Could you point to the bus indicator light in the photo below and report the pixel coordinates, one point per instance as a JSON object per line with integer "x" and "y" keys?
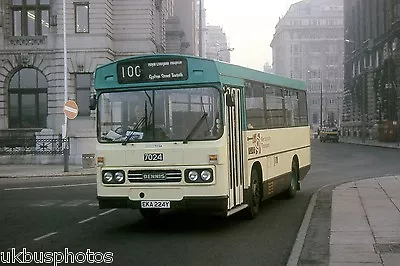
{"x": 213, "y": 158}
{"x": 100, "y": 161}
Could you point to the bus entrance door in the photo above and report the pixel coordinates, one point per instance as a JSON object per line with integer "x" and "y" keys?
{"x": 235, "y": 148}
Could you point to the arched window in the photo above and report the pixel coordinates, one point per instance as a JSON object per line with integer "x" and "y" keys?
{"x": 27, "y": 98}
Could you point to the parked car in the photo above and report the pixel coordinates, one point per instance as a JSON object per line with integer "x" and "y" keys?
{"x": 329, "y": 134}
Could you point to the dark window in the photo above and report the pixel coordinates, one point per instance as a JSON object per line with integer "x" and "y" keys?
{"x": 28, "y": 99}
{"x": 315, "y": 118}
{"x": 274, "y": 110}
{"x": 81, "y": 17}
{"x": 255, "y": 114}
{"x": 273, "y": 107}
{"x": 292, "y": 108}
{"x": 303, "y": 108}
{"x": 30, "y": 17}
{"x": 331, "y": 118}
{"x": 396, "y": 10}
{"x": 83, "y": 82}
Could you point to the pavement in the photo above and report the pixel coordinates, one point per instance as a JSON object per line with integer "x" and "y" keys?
{"x": 369, "y": 142}
{"x": 48, "y": 170}
{"x": 365, "y": 221}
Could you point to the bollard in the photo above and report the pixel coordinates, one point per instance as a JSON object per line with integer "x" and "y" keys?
{"x": 66, "y": 160}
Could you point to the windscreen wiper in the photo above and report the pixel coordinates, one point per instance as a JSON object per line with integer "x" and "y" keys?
{"x": 138, "y": 125}
{"x": 142, "y": 121}
{"x": 195, "y": 128}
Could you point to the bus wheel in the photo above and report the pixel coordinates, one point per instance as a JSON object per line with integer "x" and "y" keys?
{"x": 294, "y": 179}
{"x": 150, "y": 213}
{"x": 254, "y": 196}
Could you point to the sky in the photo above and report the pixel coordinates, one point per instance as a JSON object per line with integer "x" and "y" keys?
{"x": 249, "y": 26}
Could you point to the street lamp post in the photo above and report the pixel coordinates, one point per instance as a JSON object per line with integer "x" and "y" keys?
{"x": 339, "y": 100}
{"x": 65, "y": 126}
{"x": 201, "y": 52}
{"x": 398, "y": 118}
{"x": 320, "y": 105}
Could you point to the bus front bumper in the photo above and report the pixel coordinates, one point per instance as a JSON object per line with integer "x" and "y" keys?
{"x": 212, "y": 204}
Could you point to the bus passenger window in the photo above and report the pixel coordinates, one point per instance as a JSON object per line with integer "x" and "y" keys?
{"x": 255, "y": 113}
{"x": 274, "y": 112}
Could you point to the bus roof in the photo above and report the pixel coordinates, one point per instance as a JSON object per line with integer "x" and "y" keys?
{"x": 200, "y": 71}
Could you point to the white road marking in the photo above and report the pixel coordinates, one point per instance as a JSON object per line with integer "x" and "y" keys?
{"x": 44, "y": 236}
{"x": 60, "y": 186}
{"x": 94, "y": 217}
{"x": 107, "y": 212}
{"x": 94, "y": 204}
{"x": 74, "y": 203}
{"x": 87, "y": 220}
{"x": 46, "y": 203}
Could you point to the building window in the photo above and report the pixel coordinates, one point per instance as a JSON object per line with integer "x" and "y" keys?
{"x": 396, "y": 10}
{"x": 315, "y": 118}
{"x": 83, "y": 82}
{"x": 81, "y": 17}
{"x": 27, "y": 99}
{"x": 30, "y": 17}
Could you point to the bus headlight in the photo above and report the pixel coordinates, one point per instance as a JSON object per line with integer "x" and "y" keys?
{"x": 119, "y": 177}
{"x": 206, "y": 175}
{"x": 199, "y": 176}
{"x": 107, "y": 177}
{"x": 193, "y": 176}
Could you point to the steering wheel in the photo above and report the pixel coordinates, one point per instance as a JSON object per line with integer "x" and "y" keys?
{"x": 118, "y": 130}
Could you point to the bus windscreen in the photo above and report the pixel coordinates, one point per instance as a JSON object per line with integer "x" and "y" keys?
{"x": 159, "y": 115}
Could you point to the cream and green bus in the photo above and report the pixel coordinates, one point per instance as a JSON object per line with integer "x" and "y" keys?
{"x": 182, "y": 132}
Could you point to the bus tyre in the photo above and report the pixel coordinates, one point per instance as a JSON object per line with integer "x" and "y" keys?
{"x": 150, "y": 214}
{"x": 254, "y": 196}
{"x": 294, "y": 179}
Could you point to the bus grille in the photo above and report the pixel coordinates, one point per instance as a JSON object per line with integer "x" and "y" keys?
{"x": 149, "y": 176}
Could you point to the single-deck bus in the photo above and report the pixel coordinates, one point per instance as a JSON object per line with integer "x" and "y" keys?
{"x": 187, "y": 132}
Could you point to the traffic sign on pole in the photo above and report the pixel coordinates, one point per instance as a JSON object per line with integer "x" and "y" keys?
{"x": 71, "y": 109}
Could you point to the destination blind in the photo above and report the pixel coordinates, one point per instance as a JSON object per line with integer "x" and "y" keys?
{"x": 152, "y": 70}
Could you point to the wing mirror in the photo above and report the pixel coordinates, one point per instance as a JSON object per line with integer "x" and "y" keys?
{"x": 92, "y": 102}
{"x": 229, "y": 100}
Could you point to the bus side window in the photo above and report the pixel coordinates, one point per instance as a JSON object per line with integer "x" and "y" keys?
{"x": 274, "y": 112}
{"x": 255, "y": 113}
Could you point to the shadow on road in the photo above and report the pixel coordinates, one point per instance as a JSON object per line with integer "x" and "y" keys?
{"x": 183, "y": 222}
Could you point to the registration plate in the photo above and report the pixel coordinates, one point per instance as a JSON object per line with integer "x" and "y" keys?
{"x": 155, "y": 204}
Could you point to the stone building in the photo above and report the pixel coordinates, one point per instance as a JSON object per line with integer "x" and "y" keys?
{"x": 32, "y": 60}
{"x": 182, "y": 34}
{"x": 308, "y": 45}
{"x": 217, "y": 44}
{"x": 372, "y": 72}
